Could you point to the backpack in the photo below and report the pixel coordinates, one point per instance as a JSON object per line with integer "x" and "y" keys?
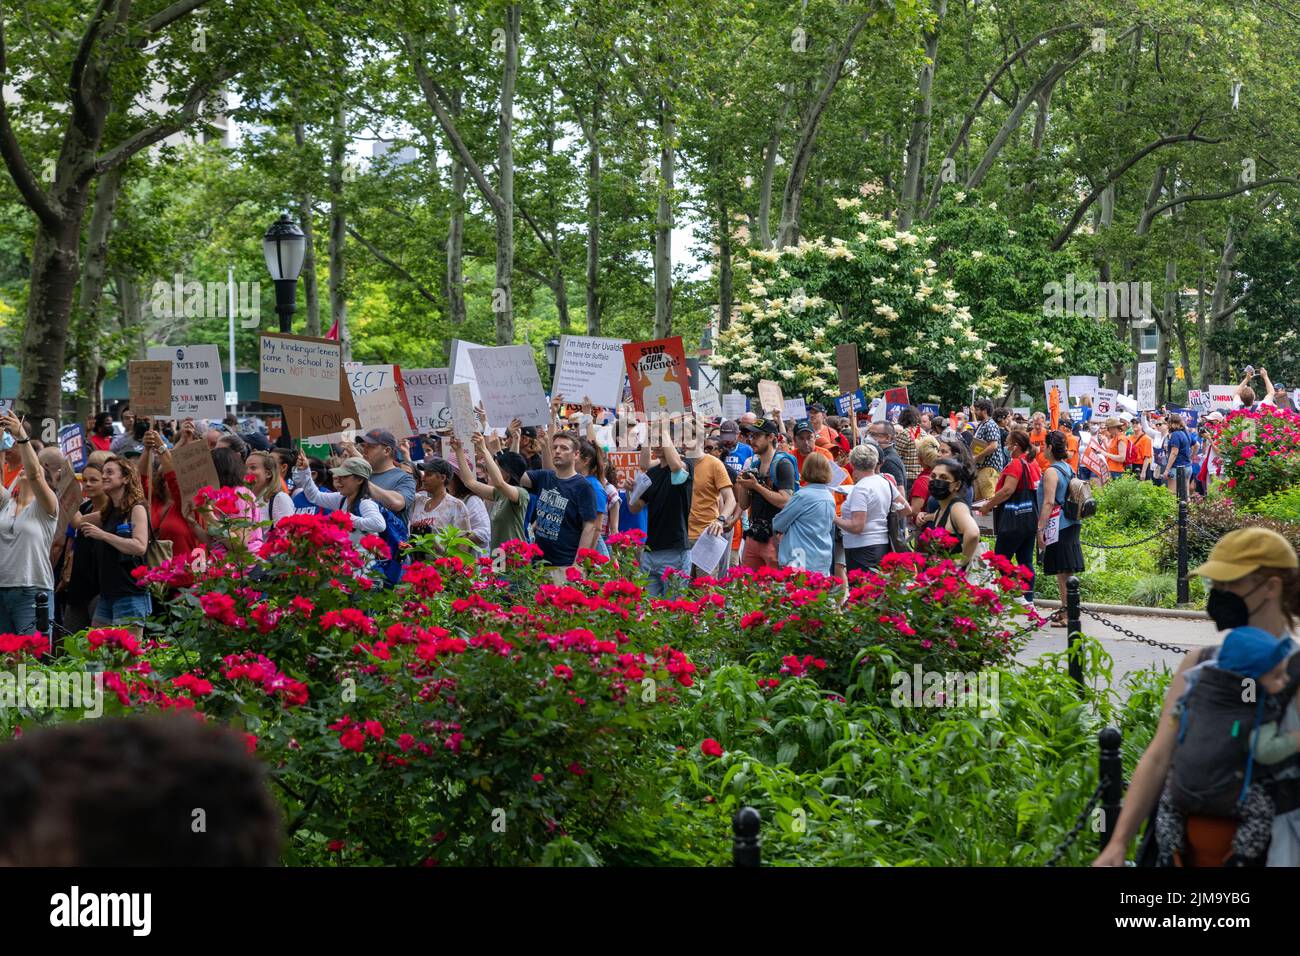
{"x": 395, "y": 534}
{"x": 771, "y": 470}
{"x": 1079, "y": 503}
{"x": 1214, "y": 760}
{"x": 1138, "y": 448}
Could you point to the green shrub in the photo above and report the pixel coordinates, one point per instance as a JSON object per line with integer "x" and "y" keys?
{"x": 1208, "y": 520}
{"x": 1130, "y": 503}
{"x": 1281, "y": 505}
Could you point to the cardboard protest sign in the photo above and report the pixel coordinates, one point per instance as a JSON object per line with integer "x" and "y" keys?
{"x": 1104, "y": 404}
{"x": 380, "y": 395}
{"x": 463, "y": 421}
{"x": 896, "y": 396}
{"x": 846, "y": 367}
{"x": 150, "y": 386}
{"x": 72, "y": 443}
{"x": 1081, "y": 385}
{"x": 1092, "y": 458}
{"x": 305, "y": 376}
{"x": 426, "y": 392}
{"x": 1146, "y": 386}
{"x": 590, "y": 367}
{"x": 734, "y": 404}
{"x": 658, "y": 374}
{"x": 509, "y": 386}
{"x": 70, "y": 497}
{"x": 770, "y": 398}
{"x": 197, "y": 389}
{"x": 1047, "y": 388}
{"x": 1223, "y": 397}
{"x": 194, "y": 469}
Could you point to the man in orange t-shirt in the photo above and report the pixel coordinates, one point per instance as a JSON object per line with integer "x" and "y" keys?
{"x": 1071, "y": 443}
{"x": 804, "y": 436}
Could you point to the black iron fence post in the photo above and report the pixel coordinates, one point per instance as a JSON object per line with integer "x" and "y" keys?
{"x": 42, "y": 613}
{"x": 746, "y": 848}
{"x": 1110, "y": 770}
{"x": 1183, "y": 597}
{"x": 1074, "y": 627}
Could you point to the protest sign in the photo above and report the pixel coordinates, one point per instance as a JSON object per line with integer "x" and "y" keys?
{"x": 1060, "y": 383}
{"x": 852, "y": 402}
{"x": 1023, "y": 411}
{"x": 305, "y": 377}
{"x": 1223, "y": 397}
{"x": 877, "y": 410}
{"x": 1191, "y": 416}
{"x": 72, "y": 443}
{"x": 893, "y": 410}
{"x": 463, "y": 422}
{"x": 927, "y": 407}
{"x": 770, "y": 398}
{"x": 70, "y": 497}
{"x": 462, "y": 369}
{"x": 1126, "y": 403}
{"x": 426, "y": 392}
{"x": 1092, "y": 458}
{"x": 1146, "y": 386}
{"x": 708, "y": 551}
{"x": 380, "y": 396}
{"x": 625, "y": 464}
{"x": 734, "y": 404}
{"x": 793, "y": 409}
{"x": 658, "y": 374}
{"x": 149, "y": 383}
{"x": 1198, "y": 399}
{"x": 1105, "y": 405}
{"x": 590, "y": 367}
{"x": 846, "y": 367}
{"x": 1081, "y": 385}
{"x": 706, "y": 403}
{"x": 194, "y": 469}
{"x": 197, "y": 390}
{"x": 896, "y": 396}
{"x": 509, "y": 386}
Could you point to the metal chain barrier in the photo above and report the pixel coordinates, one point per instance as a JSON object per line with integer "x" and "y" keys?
{"x": 1064, "y": 846}
{"x": 1127, "y": 633}
{"x": 1129, "y": 544}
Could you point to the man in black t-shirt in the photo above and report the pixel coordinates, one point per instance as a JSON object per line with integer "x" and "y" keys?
{"x": 565, "y": 505}
{"x": 764, "y": 490}
{"x": 668, "y": 504}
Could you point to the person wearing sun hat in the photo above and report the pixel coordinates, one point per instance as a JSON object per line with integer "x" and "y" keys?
{"x": 1255, "y": 582}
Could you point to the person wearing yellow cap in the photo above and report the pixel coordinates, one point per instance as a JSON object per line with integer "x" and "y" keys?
{"x": 1255, "y": 580}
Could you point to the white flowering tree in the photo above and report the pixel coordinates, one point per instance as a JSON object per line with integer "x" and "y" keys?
{"x": 879, "y": 289}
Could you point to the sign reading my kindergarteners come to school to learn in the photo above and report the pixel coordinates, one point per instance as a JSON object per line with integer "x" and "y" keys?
{"x": 426, "y": 390}
{"x": 590, "y": 367}
{"x": 197, "y": 388}
{"x": 509, "y": 386}
{"x": 299, "y": 371}
{"x": 659, "y": 376}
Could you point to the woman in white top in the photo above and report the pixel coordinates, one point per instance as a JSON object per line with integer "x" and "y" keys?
{"x": 28, "y": 519}
{"x": 864, "y": 518}
{"x": 434, "y": 508}
{"x": 480, "y": 524}
{"x": 273, "y": 504}
{"x": 352, "y": 478}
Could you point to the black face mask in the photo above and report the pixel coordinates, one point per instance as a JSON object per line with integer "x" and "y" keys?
{"x": 1229, "y": 610}
{"x": 940, "y": 488}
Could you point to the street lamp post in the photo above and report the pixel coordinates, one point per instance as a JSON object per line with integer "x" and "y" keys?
{"x": 552, "y": 356}
{"x": 285, "y": 247}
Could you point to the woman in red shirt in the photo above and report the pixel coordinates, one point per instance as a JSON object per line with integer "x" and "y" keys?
{"x": 1016, "y": 485}
{"x": 167, "y": 518}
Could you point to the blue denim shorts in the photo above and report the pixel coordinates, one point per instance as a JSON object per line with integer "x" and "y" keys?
{"x": 122, "y": 609}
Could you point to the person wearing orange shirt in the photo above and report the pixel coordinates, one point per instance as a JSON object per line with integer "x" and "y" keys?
{"x": 1071, "y": 444}
{"x": 823, "y": 434}
{"x": 804, "y": 437}
{"x": 1116, "y": 447}
{"x": 1143, "y": 453}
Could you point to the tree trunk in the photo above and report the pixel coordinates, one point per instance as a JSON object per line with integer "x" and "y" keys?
{"x": 311, "y": 292}
{"x": 593, "y": 218}
{"x": 49, "y": 302}
{"x": 918, "y": 141}
{"x": 663, "y": 259}
{"x": 1212, "y": 367}
{"x": 93, "y": 273}
{"x": 769, "y": 174}
{"x": 726, "y": 297}
{"x": 455, "y": 290}
{"x": 503, "y": 297}
{"x": 338, "y": 230}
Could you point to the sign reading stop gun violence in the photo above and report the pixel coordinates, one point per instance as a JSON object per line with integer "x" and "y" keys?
{"x": 658, "y": 375}
{"x": 305, "y": 377}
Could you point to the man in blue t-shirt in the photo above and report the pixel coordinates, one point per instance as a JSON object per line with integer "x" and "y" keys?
{"x": 1178, "y": 451}
{"x": 565, "y": 509}
{"x": 735, "y": 451}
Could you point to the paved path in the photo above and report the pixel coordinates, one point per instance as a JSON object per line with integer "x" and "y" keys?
{"x": 1130, "y": 655}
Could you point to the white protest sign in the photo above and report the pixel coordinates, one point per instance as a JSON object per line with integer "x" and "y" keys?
{"x": 426, "y": 390}
{"x": 706, "y": 403}
{"x": 1223, "y": 397}
{"x": 734, "y": 404}
{"x": 1061, "y": 384}
{"x": 770, "y": 397}
{"x": 590, "y": 367}
{"x": 510, "y": 386}
{"x": 197, "y": 388}
{"x": 462, "y": 369}
{"x": 1146, "y": 387}
{"x": 463, "y": 423}
{"x": 1104, "y": 404}
{"x": 794, "y": 409}
{"x": 708, "y": 551}
{"x": 1126, "y": 403}
{"x": 1081, "y": 385}
{"x": 1024, "y": 411}
{"x": 1198, "y": 399}
{"x": 380, "y": 395}
{"x": 1295, "y": 397}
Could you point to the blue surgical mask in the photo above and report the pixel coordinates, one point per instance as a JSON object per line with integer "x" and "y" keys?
{"x": 6, "y": 442}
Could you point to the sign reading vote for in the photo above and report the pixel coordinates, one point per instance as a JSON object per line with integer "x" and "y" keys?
{"x": 300, "y": 371}
{"x": 590, "y": 367}
{"x": 197, "y": 389}
{"x": 509, "y": 386}
{"x": 426, "y": 390}
{"x": 150, "y": 384}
